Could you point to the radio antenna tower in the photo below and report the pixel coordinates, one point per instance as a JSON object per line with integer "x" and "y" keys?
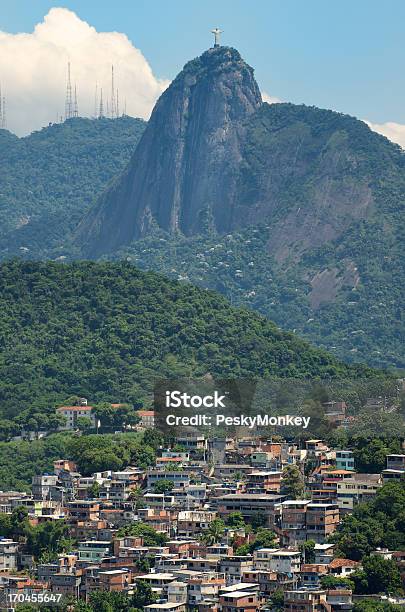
{"x": 101, "y": 108}
{"x": 95, "y": 102}
{"x": 3, "y": 123}
{"x": 113, "y": 109}
{"x": 75, "y": 105}
{"x": 68, "y": 101}
{"x": 118, "y": 105}
{"x": 3, "y": 115}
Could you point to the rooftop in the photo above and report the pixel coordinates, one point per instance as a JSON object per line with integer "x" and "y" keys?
{"x": 238, "y": 594}
{"x": 343, "y": 563}
{"x": 294, "y": 502}
{"x": 239, "y": 586}
{"x": 76, "y": 408}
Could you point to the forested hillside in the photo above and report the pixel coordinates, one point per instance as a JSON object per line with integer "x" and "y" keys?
{"x": 50, "y": 178}
{"x": 108, "y": 331}
{"x": 361, "y": 319}
{"x": 328, "y": 261}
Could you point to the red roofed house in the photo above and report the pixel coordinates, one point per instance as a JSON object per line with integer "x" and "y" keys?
{"x": 342, "y": 567}
{"x": 169, "y": 461}
{"x": 72, "y": 413}
{"x": 147, "y": 418}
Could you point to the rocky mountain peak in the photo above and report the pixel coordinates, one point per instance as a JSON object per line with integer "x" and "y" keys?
{"x": 182, "y": 175}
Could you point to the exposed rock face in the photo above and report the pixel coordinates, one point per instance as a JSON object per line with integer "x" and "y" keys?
{"x": 214, "y": 157}
{"x": 307, "y": 173}
{"x": 183, "y": 174}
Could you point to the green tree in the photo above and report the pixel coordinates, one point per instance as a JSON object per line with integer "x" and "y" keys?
{"x": 48, "y": 538}
{"x": 94, "y": 490}
{"x": 307, "y": 550}
{"x": 235, "y": 520}
{"x": 84, "y": 424}
{"x": 214, "y": 533}
{"x": 163, "y": 485}
{"x": 153, "y": 439}
{"x": 101, "y": 601}
{"x": 377, "y": 523}
{"x": 19, "y": 521}
{"x": 5, "y": 525}
{"x": 150, "y": 536}
{"x": 143, "y": 565}
{"x": 277, "y": 599}
{"x": 336, "y": 582}
{"x": 292, "y": 482}
{"x": 243, "y": 549}
{"x": 369, "y": 605}
{"x": 257, "y": 520}
{"x": 378, "y": 575}
{"x": 8, "y": 428}
{"x": 143, "y": 595}
{"x": 370, "y": 455}
{"x": 265, "y": 538}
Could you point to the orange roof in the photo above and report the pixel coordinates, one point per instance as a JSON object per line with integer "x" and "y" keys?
{"x": 142, "y": 413}
{"x": 76, "y": 408}
{"x": 164, "y": 459}
{"x": 343, "y": 563}
{"x": 339, "y": 472}
{"x": 314, "y": 567}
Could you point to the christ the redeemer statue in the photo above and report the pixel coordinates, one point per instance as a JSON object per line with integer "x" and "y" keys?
{"x": 217, "y": 34}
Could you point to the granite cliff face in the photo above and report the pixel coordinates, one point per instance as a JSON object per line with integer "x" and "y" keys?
{"x": 215, "y": 159}
{"x": 183, "y": 174}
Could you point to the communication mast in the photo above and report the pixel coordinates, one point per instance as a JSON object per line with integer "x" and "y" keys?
{"x": 3, "y": 117}
{"x": 96, "y": 101}
{"x": 75, "y": 105}
{"x": 68, "y": 100}
{"x": 113, "y": 107}
{"x": 3, "y": 122}
{"x": 101, "y": 107}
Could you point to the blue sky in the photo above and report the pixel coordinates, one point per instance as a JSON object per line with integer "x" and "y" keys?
{"x": 348, "y": 55}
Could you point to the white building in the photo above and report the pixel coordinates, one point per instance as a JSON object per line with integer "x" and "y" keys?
{"x": 277, "y": 560}
{"x": 72, "y": 413}
{"x": 8, "y": 554}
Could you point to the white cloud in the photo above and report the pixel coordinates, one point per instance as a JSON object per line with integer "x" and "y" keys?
{"x": 33, "y": 69}
{"x": 393, "y": 131}
{"x": 270, "y": 99}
